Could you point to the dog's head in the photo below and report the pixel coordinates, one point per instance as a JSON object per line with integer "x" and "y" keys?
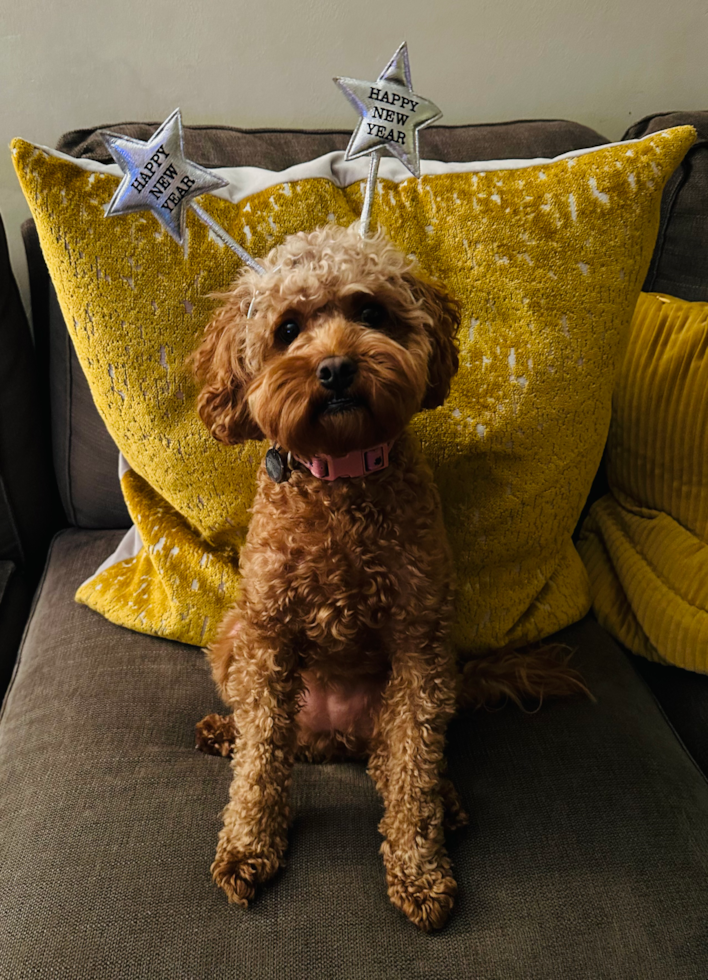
{"x": 343, "y": 345}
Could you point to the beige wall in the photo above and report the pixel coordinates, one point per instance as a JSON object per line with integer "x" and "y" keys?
{"x": 66, "y": 64}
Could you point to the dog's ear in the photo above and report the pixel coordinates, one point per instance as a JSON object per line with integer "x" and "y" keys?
{"x": 442, "y": 321}
{"x": 218, "y": 363}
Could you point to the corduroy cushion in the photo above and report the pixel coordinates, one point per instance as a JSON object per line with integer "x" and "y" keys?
{"x": 645, "y": 544}
{"x": 586, "y": 857}
{"x": 547, "y": 260}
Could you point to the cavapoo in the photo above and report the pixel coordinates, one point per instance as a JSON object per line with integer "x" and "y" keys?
{"x": 338, "y": 644}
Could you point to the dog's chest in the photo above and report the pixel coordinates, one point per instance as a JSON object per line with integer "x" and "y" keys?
{"x": 351, "y": 562}
{"x": 344, "y": 595}
{"x": 343, "y": 564}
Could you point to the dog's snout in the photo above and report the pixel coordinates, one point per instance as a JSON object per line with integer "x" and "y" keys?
{"x": 336, "y": 373}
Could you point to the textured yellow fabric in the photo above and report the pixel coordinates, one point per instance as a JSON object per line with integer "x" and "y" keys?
{"x": 547, "y": 260}
{"x": 645, "y": 544}
{"x": 177, "y": 586}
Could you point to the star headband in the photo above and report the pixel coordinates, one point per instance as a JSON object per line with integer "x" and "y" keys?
{"x": 157, "y": 176}
{"x": 391, "y": 117}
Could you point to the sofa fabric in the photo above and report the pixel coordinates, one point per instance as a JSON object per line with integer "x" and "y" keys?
{"x": 276, "y": 149}
{"x": 679, "y": 265}
{"x": 85, "y": 456}
{"x": 587, "y": 855}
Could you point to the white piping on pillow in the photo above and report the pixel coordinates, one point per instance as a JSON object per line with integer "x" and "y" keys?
{"x": 245, "y": 181}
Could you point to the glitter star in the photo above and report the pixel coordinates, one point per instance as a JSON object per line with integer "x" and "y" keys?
{"x": 391, "y": 113}
{"x": 158, "y": 178}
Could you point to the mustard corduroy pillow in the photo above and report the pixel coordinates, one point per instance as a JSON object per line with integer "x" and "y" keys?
{"x": 645, "y": 544}
{"x": 547, "y": 258}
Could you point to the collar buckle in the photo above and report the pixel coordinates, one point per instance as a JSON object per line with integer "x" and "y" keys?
{"x": 357, "y": 463}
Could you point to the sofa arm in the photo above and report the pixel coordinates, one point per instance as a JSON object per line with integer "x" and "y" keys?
{"x": 28, "y": 497}
{"x": 15, "y": 600}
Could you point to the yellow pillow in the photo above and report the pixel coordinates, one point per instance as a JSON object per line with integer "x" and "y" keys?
{"x": 645, "y": 544}
{"x": 547, "y": 258}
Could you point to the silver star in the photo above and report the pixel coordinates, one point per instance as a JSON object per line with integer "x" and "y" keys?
{"x": 391, "y": 113}
{"x": 158, "y": 178}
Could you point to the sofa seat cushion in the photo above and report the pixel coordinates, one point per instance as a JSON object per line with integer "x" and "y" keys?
{"x": 587, "y": 855}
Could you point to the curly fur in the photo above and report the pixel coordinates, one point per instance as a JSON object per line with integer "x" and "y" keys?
{"x": 338, "y": 643}
{"x": 248, "y": 394}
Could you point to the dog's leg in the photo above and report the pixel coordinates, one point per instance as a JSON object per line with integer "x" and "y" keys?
{"x": 263, "y": 687}
{"x": 406, "y": 764}
{"x": 455, "y": 814}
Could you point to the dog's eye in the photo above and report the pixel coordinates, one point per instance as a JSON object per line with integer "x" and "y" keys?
{"x": 287, "y": 332}
{"x": 372, "y": 315}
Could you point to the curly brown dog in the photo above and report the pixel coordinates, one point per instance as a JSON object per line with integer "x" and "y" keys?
{"x": 338, "y": 643}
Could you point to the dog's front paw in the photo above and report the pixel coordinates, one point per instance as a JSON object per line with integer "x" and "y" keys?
{"x": 426, "y": 897}
{"x": 238, "y": 873}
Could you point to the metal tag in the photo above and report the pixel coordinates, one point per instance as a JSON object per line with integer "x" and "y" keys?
{"x": 275, "y": 467}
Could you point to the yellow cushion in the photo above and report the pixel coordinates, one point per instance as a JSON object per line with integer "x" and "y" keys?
{"x": 645, "y": 544}
{"x": 547, "y": 259}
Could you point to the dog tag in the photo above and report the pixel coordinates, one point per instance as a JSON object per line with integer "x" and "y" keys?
{"x": 275, "y": 467}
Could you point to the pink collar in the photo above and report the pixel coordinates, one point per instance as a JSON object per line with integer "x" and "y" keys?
{"x": 361, "y": 462}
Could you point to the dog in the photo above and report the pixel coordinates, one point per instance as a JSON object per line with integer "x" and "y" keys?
{"x": 339, "y": 643}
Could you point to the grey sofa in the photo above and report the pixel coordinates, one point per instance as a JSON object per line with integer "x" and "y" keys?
{"x": 587, "y": 854}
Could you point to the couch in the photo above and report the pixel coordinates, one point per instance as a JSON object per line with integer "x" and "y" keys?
{"x": 587, "y": 853}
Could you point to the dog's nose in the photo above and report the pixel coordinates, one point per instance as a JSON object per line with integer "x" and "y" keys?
{"x": 336, "y": 373}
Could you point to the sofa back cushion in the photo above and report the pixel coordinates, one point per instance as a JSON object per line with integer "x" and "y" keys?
{"x": 679, "y": 265}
